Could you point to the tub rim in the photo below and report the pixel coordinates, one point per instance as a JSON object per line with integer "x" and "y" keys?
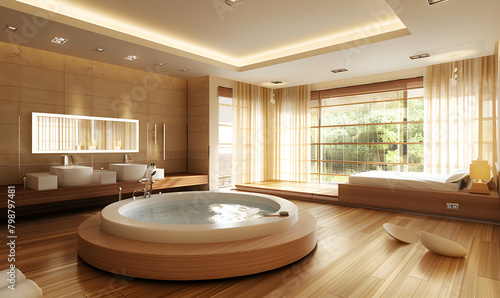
{"x": 115, "y": 223}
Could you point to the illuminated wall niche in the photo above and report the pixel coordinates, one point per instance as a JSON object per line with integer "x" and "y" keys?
{"x": 59, "y": 133}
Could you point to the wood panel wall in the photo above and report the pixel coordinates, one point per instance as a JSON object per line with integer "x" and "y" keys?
{"x": 33, "y": 80}
{"x": 198, "y": 125}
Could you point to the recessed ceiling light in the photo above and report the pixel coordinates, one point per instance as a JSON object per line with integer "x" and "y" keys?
{"x": 59, "y": 40}
{"x": 183, "y": 69}
{"x": 232, "y": 2}
{"x": 339, "y": 70}
{"x": 432, "y": 2}
{"x": 420, "y": 56}
{"x": 10, "y": 28}
{"x": 160, "y": 64}
{"x": 99, "y": 50}
{"x": 276, "y": 82}
{"x": 131, "y": 57}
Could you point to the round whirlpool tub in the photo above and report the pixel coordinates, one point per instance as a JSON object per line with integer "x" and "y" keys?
{"x": 198, "y": 217}
{"x": 197, "y": 235}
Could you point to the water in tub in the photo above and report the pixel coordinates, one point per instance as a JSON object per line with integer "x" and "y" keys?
{"x": 214, "y": 211}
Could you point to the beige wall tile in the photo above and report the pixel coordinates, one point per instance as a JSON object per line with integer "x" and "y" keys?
{"x": 105, "y": 113}
{"x": 27, "y": 108}
{"x": 9, "y": 93}
{"x": 198, "y": 123}
{"x": 41, "y": 59}
{"x": 9, "y": 160}
{"x": 127, "y": 105}
{"x": 55, "y": 83}
{"x": 9, "y": 111}
{"x": 134, "y": 92}
{"x": 10, "y": 139}
{"x": 158, "y": 95}
{"x": 9, "y": 53}
{"x": 198, "y": 84}
{"x": 198, "y": 155}
{"x": 198, "y": 141}
{"x": 41, "y": 97}
{"x": 179, "y": 84}
{"x": 156, "y": 80}
{"x": 177, "y": 123}
{"x": 142, "y": 117}
{"x": 198, "y": 110}
{"x": 158, "y": 119}
{"x": 198, "y": 167}
{"x": 105, "y": 88}
{"x": 133, "y": 76}
{"x": 41, "y": 159}
{"x": 71, "y": 110}
{"x": 9, "y": 176}
{"x": 178, "y": 110}
{"x": 106, "y": 103}
{"x": 78, "y": 100}
{"x": 177, "y": 98}
{"x": 198, "y": 97}
{"x": 176, "y": 166}
{"x": 43, "y": 79}
{"x": 176, "y": 155}
{"x": 78, "y": 66}
{"x": 25, "y": 139}
{"x": 159, "y": 109}
{"x": 78, "y": 84}
{"x": 105, "y": 70}
{"x": 35, "y": 168}
{"x": 9, "y": 74}
{"x": 176, "y": 141}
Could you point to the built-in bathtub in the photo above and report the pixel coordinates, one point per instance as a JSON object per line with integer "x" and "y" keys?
{"x": 198, "y": 217}
{"x": 132, "y": 238}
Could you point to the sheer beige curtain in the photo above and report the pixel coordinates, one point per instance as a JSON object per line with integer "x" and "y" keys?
{"x": 251, "y": 134}
{"x": 291, "y": 134}
{"x": 270, "y": 141}
{"x": 460, "y": 118}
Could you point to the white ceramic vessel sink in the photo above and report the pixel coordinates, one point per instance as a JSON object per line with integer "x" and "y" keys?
{"x": 72, "y": 175}
{"x": 128, "y": 171}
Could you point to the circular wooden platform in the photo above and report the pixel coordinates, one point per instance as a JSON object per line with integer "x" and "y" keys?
{"x": 195, "y": 261}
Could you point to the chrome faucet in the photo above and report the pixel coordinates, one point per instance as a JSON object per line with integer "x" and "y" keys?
{"x": 143, "y": 189}
{"x": 126, "y": 158}
{"x": 65, "y": 160}
{"x": 151, "y": 183}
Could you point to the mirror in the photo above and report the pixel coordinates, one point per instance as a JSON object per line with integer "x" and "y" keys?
{"x": 60, "y": 133}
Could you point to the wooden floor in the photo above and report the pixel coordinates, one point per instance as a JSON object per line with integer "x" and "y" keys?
{"x": 354, "y": 258}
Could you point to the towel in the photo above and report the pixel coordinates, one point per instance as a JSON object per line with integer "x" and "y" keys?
{"x": 7, "y": 274}
{"x": 24, "y": 289}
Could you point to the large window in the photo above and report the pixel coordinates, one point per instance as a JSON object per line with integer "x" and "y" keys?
{"x": 364, "y": 128}
{"x": 225, "y": 141}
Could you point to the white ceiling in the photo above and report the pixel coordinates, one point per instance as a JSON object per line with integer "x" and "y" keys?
{"x": 258, "y": 41}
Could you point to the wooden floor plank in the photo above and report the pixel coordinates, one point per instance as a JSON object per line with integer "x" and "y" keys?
{"x": 354, "y": 257}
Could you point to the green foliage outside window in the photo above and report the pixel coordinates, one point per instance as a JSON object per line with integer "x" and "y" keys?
{"x": 378, "y": 133}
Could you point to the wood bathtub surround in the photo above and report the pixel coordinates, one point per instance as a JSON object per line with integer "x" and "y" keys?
{"x": 195, "y": 261}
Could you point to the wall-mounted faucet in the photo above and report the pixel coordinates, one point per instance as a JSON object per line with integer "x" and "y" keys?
{"x": 126, "y": 158}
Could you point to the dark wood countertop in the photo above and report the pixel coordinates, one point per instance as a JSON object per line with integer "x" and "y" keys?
{"x": 25, "y": 197}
